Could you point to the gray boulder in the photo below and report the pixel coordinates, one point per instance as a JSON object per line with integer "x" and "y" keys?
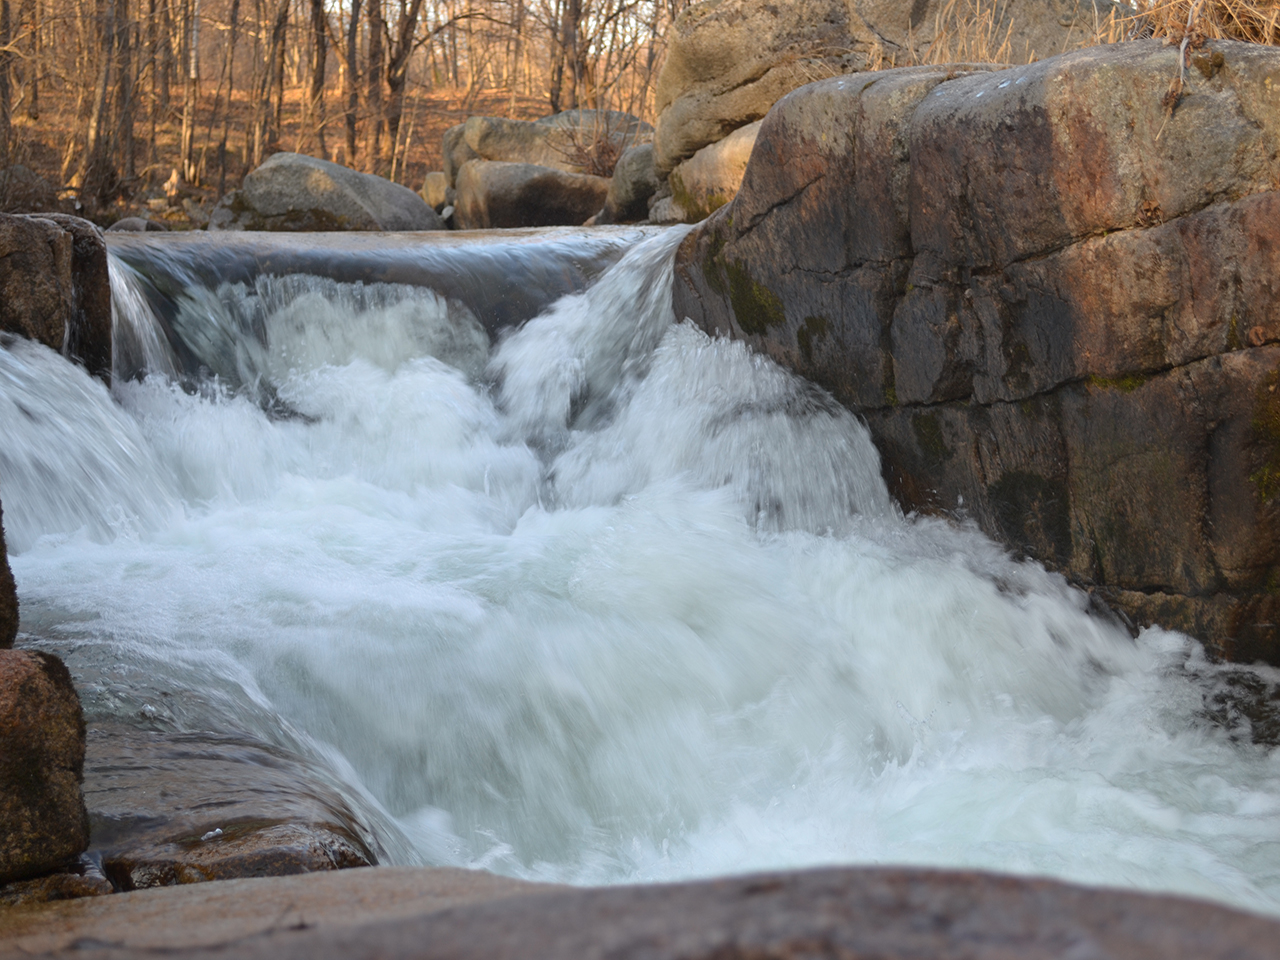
{"x": 634, "y": 182}
{"x": 577, "y": 141}
{"x": 41, "y": 765}
{"x": 291, "y": 191}
{"x": 136, "y": 225}
{"x": 495, "y": 194}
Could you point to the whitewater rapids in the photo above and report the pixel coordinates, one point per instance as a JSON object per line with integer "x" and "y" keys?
{"x": 603, "y": 600}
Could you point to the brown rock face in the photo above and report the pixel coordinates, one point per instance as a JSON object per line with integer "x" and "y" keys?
{"x": 496, "y": 194}
{"x": 1055, "y": 303}
{"x": 43, "y": 822}
{"x": 8, "y": 595}
{"x": 54, "y": 286}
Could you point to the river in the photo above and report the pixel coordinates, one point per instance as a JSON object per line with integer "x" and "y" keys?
{"x": 555, "y": 585}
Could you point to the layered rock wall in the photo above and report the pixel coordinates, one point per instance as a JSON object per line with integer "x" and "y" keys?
{"x": 1054, "y": 293}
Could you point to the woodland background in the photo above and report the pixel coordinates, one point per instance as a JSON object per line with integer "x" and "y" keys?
{"x": 121, "y": 105}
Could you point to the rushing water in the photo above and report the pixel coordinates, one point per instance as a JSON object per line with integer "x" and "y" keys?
{"x": 594, "y": 599}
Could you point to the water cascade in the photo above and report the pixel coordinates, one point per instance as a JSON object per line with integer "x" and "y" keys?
{"x": 550, "y": 583}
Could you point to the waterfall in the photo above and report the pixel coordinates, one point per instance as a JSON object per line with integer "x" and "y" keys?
{"x": 571, "y": 591}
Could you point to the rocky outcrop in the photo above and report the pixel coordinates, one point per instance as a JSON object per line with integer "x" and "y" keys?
{"x": 54, "y": 286}
{"x": 729, "y": 61}
{"x": 893, "y": 914}
{"x": 494, "y": 194}
{"x": 456, "y": 152}
{"x": 1054, "y": 300}
{"x": 704, "y": 183}
{"x": 291, "y": 191}
{"x": 43, "y": 822}
{"x": 186, "y": 808}
{"x": 8, "y": 595}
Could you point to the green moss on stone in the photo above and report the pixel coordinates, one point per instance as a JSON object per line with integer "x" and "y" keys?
{"x": 928, "y": 431}
{"x": 1233, "y": 334}
{"x": 813, "y": 328}
{"x": 756, "y": 307}
{"x": 1127, "y": 383}
{"x": 712, "y": 265}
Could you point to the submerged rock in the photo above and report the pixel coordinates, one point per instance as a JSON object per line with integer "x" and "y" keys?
{"x": 291, "y": 191}
{"x": 494, "y": 194}
{"x": 1053, "y": 299}
{"x": 41, "y": 763}
{"x": 175, "y": 808}
{"x": 55, "y": 288}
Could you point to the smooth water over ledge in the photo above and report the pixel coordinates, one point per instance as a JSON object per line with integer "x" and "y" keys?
{"x": 594, "y": 598}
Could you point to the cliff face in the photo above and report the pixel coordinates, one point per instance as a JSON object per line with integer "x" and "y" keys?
{"x": 1054, "y": 294}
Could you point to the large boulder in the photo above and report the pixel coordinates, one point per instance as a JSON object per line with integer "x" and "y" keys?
{"x": 55, "y": 287}
{"x": 8, "y": 595}
{"x": 709, "y": 179}
{"x": 42, "y": 732}
{"x": 729, "y": 61}
{"x": 494, "y": 194}
{"x": 1054, "y": 300}
{"x": 577, "y": 141}
{"x": 634, "y": 181}
{"x": 291, "y": 191}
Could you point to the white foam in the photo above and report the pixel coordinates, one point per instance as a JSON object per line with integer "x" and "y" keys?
{"x": 637, "y": 608}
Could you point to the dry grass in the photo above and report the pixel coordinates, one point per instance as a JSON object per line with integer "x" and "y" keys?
{"x": 1210, "y": 20}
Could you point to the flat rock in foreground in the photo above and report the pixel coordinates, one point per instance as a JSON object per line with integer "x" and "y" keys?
{"x": 882, "y": 913}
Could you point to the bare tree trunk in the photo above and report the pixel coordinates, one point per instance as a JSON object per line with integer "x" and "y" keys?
{"x": 373, "y": 98}
{"x": 6, "y": 103}
{"x": 125, "y": 91}
{"x": 313, "y": 123}
{"x": 398, "y": 68}
{"x": 190, "y": 171}
{"x": 94, "y": 173}
{"x": 231, "y": 88}
{"x": 349, "y": 81}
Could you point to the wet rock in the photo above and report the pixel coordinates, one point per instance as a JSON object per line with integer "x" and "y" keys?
{"x": 42, "y": 732}
{"x": 291, "y": 191}
{"x": 8, "y": 595}
{"x": 634, "y": 182}
{"x": 54, "y": 286}
{"x": 81, "y": 879}
{"x": 494, "y": 194}
{"x": 186, "y": 808}
{"x": 1052, "y": 300}
{"x": 894, "y": 914}
{"x": 710, "y": 178}
{"x": 436, "y": 190}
